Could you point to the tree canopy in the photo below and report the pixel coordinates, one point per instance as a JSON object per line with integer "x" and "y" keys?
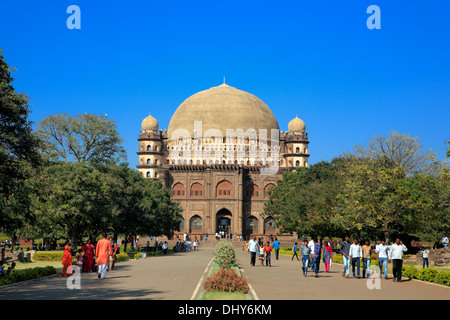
{"x": 83, "y": 138}
{"x": 390, "y": 187}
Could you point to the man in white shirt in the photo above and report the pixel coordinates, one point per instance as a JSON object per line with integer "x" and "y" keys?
{"x": 355, "y": 254}
{"x": 396, "y": 256}
{"x": 311, "y": 246}
{"x": 425, "y": 254}
{"x": 252, "y": 247}
{"x": 382, "y": 257}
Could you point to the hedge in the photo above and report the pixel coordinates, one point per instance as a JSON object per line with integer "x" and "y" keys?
{"x": 27, "y": 274}
{"x": 427, "y": 274}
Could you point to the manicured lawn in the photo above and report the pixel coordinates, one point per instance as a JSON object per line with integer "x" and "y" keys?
{"x": 219, "y": 295}
{"x": 25, "y": 265}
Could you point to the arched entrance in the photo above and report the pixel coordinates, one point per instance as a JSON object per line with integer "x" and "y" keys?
{"x": 223, "y": 222}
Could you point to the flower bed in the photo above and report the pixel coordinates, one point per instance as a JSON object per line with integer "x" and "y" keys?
{"x": 224, "y": 280}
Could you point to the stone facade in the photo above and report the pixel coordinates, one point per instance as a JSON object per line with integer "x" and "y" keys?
{"x": 220, "y": 184}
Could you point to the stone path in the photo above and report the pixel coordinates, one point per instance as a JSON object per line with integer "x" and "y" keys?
{"x": 178, "y": 277}
{"x": 170, "y": 277}
{"x": 284, "y": 281}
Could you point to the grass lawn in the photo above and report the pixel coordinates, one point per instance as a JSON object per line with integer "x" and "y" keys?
{"x": 27, "y": 265}
{"x": 219, "y": 295}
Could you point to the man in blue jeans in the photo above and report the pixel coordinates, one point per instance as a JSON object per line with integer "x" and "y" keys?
{"x": 382, "y": 251}
{"x": 355, "y": 256}
{"x": 306, "y": 255}
{"x": 316, "y": 258}
{"x": 345, "y": 249}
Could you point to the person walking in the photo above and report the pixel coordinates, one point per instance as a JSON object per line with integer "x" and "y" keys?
{"x": 327, "y": 254}
{"x": 67, "y": 269}
{"x": 396, "y": 256}
{"x": 345, "y": 250}
{"x": 425, "y": 254}
{"x": 268, "y": 251}
{"x": 276, "y": 248}
{"x": 252, "y": 249}
{"x": 382, "y": 257}
{"x": 305, "y": 251}
{"x": 165, "y": 247}
{"x": 112, "y": 257}
{"x": 366, "y": 253}
{"x": 102, "y": 253}
{"x": 80, "y": 260}
{"x": 89, "y": 253}
{"x": 316, "y": 258}
{"x": 294, "y": 248}
{"x": 355, "y": 254}
{"x": 261, "y": 253}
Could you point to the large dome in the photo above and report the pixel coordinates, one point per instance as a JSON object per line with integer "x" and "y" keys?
{"x": 223, "y": 107}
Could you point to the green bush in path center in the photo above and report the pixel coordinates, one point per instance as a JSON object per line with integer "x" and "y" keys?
{"x": 224, "y": 255}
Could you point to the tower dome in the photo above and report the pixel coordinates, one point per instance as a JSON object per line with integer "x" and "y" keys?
{"x": 296, "y": 125}
{"x": 150, "y": 124}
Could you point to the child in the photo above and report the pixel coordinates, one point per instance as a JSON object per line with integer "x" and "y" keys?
{"x": 268, "y": 250}
{"x": 261, "y": 254}
{"x": 79, "y": 260}
{"x": 306, "y": 255}
{"x": 294, "y": 248}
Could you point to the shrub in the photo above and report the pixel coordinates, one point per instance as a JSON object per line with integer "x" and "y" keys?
{"x": 27, "y": 274}
{"x": 224, "y": 255}
{"x": 123, "y": 256}
{"x": 48, "y": 256}
{"x": 443, "y": 277}
{"x": 226, "y": 280}
{"x": 138, "y": 255}
{"x": 337, "y": 258}
{"x": 427, "y": 274}
{"x": 410, "y": 272}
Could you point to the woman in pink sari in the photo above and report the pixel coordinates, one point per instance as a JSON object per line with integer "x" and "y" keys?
{"x": 89, "y": 253}
{"x": 327, "y": 255}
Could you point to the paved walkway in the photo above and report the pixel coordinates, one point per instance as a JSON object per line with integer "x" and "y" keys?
{"x": 170, "y": 277}
{"x": 284, "y": 281}
{"x": 178, "y": 277}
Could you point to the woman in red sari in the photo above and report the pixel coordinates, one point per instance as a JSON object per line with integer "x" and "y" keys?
{"x": 67, "y": 261}
{"x": 89, "y": 253}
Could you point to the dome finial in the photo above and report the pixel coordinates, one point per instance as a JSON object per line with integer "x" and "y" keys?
{"x": 223, "y": 79}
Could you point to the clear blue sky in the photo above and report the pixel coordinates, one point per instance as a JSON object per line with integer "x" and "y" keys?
{"x": 316, "y": 59}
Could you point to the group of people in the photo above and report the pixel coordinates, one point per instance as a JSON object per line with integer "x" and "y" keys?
{"x": 264, "y": 251}
{"x": 311, "y": 252}
{"x": 186, "y": 245}
{"x": 354, "y": 254}
{"x": 90, "y": 258}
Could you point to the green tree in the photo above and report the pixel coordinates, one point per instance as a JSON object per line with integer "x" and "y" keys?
{"x": 402, "y": 152}
{"x": 375, "y": 198}
{"x": 140, "y": 206}
{"x": 84, "y": 138}
{"x": 304, "y": 200}
{"x": 18, "y": 153}
{"x": 71, "y": 200}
